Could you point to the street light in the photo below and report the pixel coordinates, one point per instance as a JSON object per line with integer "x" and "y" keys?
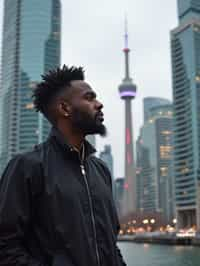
{"x": 145, "y": 221}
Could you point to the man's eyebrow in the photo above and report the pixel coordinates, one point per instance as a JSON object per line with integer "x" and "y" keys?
{"x": 90, "y": 93}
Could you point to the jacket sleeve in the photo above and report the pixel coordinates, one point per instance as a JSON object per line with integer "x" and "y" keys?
{"x": 120, "y": 257}
{"x": 15, "y": 212}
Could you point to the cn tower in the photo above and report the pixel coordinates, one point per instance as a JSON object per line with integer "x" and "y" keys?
{"x": 127, "y": 91}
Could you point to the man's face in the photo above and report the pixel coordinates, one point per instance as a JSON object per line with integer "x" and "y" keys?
{"x": 86, "y": 111}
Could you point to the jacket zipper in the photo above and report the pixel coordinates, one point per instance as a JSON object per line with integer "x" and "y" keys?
{"x": 92, "y": 212}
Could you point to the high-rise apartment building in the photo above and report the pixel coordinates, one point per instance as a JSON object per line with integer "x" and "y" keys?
{"x": 106, "y": 156}
{"x": 31, "y": 46}
{"x": 154, "y": 163}
{"x": 185, "y": 51}
{"x": 149, "y": 102}
{"x": 119, "y": 192}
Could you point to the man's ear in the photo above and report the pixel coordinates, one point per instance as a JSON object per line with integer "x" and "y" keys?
{"x": 64, "y": 109}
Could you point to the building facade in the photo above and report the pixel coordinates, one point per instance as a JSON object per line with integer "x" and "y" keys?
{"x": 31, "y": 46}
{"x": 185, "y": 52}
{"x": 154, "y": 163}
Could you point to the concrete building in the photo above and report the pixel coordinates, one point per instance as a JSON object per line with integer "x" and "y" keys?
{"x": 185, "y": 52}
{"x": 31, "y": 46}
{"x": 154, "y": 163}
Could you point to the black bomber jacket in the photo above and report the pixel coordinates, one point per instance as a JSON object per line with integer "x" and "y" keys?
{"x": 56, "y": 210}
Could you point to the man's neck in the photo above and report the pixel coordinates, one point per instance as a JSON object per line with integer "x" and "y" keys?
{"x": 73, "y": 137}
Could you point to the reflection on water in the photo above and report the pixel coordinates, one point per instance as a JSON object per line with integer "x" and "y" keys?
{"x": 160, "y": 255}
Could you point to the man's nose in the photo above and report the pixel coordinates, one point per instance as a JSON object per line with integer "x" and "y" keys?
{"x": 99, "y": 105}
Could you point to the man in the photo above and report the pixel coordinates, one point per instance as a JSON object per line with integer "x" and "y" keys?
{"x": 56, "y": 205}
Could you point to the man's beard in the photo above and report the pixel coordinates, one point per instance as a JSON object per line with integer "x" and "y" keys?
{"x": 87, "y": 124}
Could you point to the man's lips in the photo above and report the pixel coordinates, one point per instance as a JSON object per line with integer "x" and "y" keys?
{"x": 100, "y": 116}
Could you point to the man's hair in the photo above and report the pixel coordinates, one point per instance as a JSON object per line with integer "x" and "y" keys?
{"x": 52, "y": 84}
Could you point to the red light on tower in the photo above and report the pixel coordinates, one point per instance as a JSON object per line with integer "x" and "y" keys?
{"x": 126, "y": 186}
{"x": 129, "y": 159}
{"x": 128, "y": 136}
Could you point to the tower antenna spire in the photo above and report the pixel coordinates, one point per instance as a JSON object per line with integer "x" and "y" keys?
{"x": 126, "y": 31}
{"x": 126, "y": 49}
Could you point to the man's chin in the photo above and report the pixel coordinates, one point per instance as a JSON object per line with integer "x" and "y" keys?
{"x": 103, "y": 132}
{"x": 98, "y": 130}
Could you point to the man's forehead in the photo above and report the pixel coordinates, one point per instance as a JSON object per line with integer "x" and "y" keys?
{"x": 81, "y": 86}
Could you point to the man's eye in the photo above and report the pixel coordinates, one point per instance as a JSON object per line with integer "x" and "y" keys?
{"x": 90, "y": 97}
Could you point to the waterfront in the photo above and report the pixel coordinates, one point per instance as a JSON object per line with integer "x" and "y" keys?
{"x": 159, "y": 255}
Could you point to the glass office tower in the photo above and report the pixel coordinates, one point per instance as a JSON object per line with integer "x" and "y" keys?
{"x": 154, "y": 161}
{"x": 185, "y": 50}
{"x": 31, "y": 46}
{"x": 149, "y": 102}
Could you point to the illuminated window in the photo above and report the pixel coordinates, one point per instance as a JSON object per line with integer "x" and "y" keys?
{"x": 170, "y": 113}
{"x": 166, "y": 132}
{"x": 197, "y": 78}
{"x": 195, "y": 28}
{"x": 184, "y": 170}
{"x": 138, "y": 171}
{"x": 29, "y": 106}
{"x": 56, "y": 34}
{"x": 32, "y": 85}
{"x": 165, "y": 152}
{"x": 164, "y": 171}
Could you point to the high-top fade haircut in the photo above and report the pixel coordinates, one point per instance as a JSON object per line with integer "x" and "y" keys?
{"x": 52, "y": 84}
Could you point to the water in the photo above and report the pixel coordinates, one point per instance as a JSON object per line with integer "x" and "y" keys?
{"x": 159, "y": 255}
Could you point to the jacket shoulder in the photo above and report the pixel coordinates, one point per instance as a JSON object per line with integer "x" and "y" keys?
{"x": 27, "y": 168}
{"x": 35, "y": 156}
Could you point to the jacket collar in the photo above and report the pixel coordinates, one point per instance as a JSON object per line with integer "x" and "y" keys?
{"x": 56, "y": 134}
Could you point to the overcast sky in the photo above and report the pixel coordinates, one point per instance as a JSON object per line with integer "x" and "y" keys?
{"x": 92, "y": 36}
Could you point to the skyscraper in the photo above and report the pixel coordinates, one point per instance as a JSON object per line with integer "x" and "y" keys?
{"x": 149, "y": 102}
{"x": 106, "y": 156}
{"x": 185, "y": 51}
{"x": 31, "y": 46}
{"x": 127, "y": 91}
{"x": 119, "y": 191}
{"x": 154, "y": 163}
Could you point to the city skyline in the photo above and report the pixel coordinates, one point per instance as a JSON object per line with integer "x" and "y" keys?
{"x": 102, "y": 58}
